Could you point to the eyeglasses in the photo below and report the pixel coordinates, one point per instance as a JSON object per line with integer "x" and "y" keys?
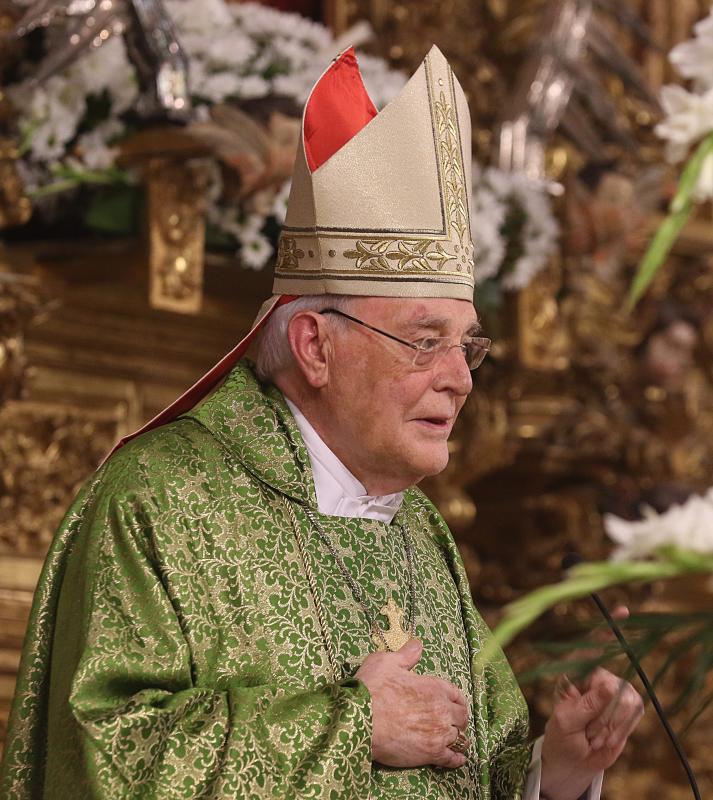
{"x": 431, "y": 349}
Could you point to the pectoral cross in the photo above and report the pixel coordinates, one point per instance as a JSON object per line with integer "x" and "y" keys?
{"x": 396, "y": 636}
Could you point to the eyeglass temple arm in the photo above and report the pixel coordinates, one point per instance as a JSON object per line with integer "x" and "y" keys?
{"x": 370, "y": 327}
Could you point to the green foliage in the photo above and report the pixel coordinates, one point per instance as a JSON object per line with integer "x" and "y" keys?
{"x": 584, "y": 579}
{"x": 115, "y": 210}
{"x": 673, "y": 637}
{"x": 679, "y": 212}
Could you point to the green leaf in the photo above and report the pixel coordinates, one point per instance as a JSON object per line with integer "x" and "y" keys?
{"x": 114, "y": 210}
{"x": 583, "y": 580}
{"x": 679, "y": 211}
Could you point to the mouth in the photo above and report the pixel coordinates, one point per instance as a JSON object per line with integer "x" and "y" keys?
{"x": 439, "y": 424}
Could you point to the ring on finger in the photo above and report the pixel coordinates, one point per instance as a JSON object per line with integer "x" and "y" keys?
{"x": 460, "y": 744}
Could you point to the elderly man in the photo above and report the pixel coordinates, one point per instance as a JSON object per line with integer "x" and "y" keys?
{"x": 251, "y": 599}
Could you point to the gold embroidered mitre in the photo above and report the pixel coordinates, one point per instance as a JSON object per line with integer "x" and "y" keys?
{"x": 388, "y": 213}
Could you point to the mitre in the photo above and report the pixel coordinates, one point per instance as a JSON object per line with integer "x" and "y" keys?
{"x": 379, "y": 203}
{"x": 384, "y": 212}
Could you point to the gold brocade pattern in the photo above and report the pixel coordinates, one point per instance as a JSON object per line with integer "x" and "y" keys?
{"x": 288, "y": 254}
{"x": 403, "y": 255}
{"x": 186, "y": 656}
{"x": 450, "y": 154}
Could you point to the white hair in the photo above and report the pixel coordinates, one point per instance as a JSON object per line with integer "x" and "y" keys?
{"x": 273, "y": 348}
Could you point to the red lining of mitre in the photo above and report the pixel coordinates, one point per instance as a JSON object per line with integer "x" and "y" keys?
{"x": 338, "y": 108}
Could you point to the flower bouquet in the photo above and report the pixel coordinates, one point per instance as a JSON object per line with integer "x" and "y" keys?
{"x": 515, "y": 231}
{"x": 250, "y": 70}
{"x": 688, "y": 124}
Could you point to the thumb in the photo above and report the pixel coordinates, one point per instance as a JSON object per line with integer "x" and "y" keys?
{"x": 409, "y": 655}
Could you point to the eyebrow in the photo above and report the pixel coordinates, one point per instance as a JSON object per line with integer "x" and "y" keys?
{"x": 439, "y": 323}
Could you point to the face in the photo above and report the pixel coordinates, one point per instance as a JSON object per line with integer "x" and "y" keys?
{"x": 669, "y": 355}
{"x": 388, "y": 421}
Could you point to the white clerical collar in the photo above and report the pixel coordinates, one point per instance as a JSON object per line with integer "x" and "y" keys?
{"x": 339, "y": 493}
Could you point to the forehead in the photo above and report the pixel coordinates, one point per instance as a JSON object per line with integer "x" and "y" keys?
{"x": 419, "y": 312}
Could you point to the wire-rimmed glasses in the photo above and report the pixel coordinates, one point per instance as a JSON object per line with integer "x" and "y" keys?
{"x": 432, "y": 348}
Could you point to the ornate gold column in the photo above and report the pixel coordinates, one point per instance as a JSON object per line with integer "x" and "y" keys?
{"x": 175, "y": 192}
{"x": 176, "y": 178}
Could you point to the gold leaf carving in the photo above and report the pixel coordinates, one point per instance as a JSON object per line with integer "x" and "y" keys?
{"x": 45, "y": 454}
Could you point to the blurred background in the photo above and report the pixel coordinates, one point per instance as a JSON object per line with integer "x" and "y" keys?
{"x": 145, "y": 155}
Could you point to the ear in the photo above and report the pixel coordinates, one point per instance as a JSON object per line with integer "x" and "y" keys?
{"x": 310, "y": 343}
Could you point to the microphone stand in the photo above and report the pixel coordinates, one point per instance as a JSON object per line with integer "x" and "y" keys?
{"x": 570, "y": 561}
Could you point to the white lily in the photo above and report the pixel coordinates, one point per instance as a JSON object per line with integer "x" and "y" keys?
{"x": 694, "y": 58}
{"x": 688, "y": 526}
{"x": 689, "y": 119}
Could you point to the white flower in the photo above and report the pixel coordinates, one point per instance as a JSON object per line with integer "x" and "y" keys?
{"x": 200, "y": 16}
{"x": 279, "y": 208}
{"x": 690, "y": 118}
{"x": 52, "y": 114}
{"x": 694, "y": 58}
{"x": 496, "y": 195}
{"x": 255, "y": 250}
{"x": 218, "y": 86}
{"x": 239, "y": 51}
{"x": 93, "y": 147}
{"x": 250, "y": 86}
{"x": 688, "y": 526}
{"x": 487, "y": 214}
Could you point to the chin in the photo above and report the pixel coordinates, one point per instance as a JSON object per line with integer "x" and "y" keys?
{"x": 431, "y": 463}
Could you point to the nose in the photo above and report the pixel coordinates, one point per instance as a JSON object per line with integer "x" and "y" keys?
{"x": 452, "y": 373}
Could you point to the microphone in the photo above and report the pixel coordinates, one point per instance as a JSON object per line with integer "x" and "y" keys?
{"x": 571, "y": 560}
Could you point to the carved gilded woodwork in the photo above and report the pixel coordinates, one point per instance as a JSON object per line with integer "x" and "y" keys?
{"x": 15, "y": 207}
{"x": 175, "y": 175}
{"x": 176, "y": 205}
{"x": 47, "y": 453}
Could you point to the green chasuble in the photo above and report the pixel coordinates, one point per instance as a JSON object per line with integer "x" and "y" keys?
{"x": 180, "y": 639}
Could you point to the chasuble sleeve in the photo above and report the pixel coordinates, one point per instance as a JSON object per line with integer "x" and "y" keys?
{"x": 131, "y": 714}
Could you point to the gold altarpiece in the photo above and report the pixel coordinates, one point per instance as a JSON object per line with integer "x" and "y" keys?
{"x": 92, "y": 344}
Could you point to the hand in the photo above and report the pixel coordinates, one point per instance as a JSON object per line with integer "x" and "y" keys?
{"x": 586, "y": 733}
{"x": 414, "y": 717}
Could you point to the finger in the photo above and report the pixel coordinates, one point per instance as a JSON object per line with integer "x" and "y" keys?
{"x": 622, "y": 713}
{"x": 621, "y": 612}
{"x": 613, "y": 736}
{"x": 580, "y": 713}
{"x": 626, "y": 717}
{"x": 454, "y": 694}
{"x": 450, "y": 760}
{"x": 459, "y": 716}
{"x": 565, "y": 689}
{"x": 408, "y": 655}
{"x": 446, "y": 690}
{"x": 446, "y": 754}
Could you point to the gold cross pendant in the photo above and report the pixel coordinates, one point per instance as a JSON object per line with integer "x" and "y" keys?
{"x": 396, "y": 636}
